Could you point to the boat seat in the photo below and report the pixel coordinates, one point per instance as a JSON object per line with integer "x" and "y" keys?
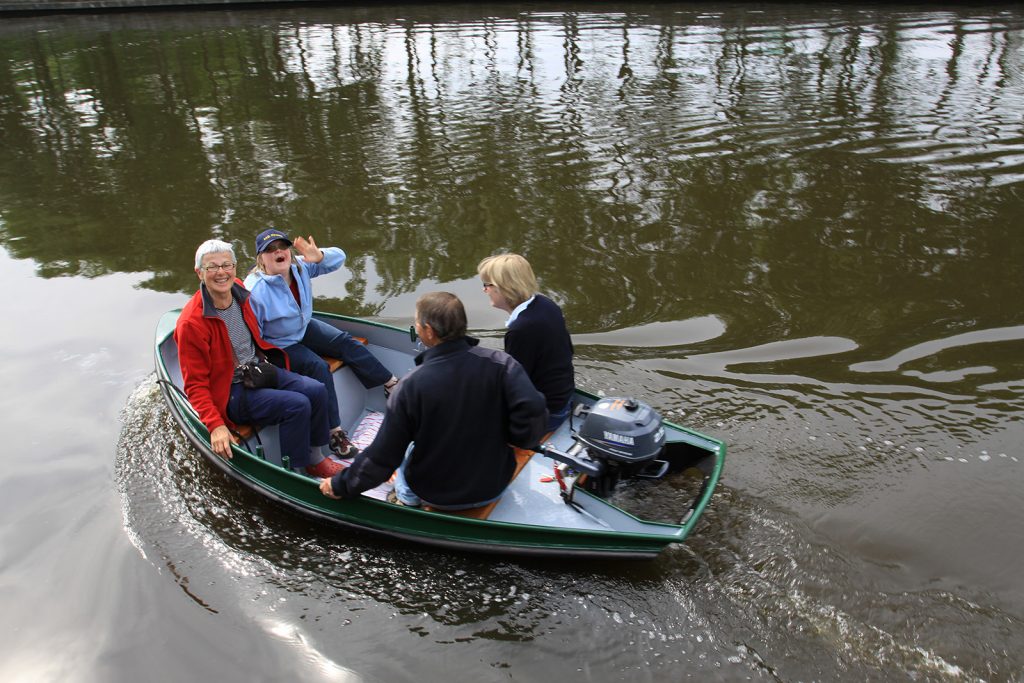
{"x": 335, "y": 364}
{"x": 484, "y": 511}
{"x": 244, "y": 432}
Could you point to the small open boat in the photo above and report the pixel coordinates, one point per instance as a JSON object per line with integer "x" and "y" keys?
{"x": 548, "y": 509}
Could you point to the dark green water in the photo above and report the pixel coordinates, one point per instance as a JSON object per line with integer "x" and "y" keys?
{"x": 796, "y": 228}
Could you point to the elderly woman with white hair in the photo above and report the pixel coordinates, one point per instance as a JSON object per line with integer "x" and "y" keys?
{"x": 218, "y": 337}
{"x": 537, "y": 336}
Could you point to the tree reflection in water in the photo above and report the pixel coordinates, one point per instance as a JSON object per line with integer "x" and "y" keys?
{"x": 784, "y": 170}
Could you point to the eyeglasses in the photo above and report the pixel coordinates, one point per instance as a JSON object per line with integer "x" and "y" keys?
{"x": 277, "y": 246}
{"x": 217, "y": 267}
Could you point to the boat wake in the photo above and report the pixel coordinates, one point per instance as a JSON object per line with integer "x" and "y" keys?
{"x": 753, "y": 593}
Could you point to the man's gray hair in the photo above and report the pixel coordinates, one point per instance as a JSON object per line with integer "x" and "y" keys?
{"x": 445, "y": 314}
{"x": 213, "y": 247}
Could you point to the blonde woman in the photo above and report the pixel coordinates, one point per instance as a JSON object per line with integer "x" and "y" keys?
{"x": 282, "y": 298}
{"x": 536, "y": 334}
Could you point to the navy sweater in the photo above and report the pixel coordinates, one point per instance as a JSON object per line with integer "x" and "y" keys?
{"x": 538, "y": 339}
{"x": 462, "y": 406}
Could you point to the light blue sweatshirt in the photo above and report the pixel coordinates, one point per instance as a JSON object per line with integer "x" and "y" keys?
{"x": 282, "y": 321}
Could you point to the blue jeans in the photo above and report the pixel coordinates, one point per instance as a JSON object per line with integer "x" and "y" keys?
{"x": 322, "y": 339}
{"x": 298, "y": 407}
{"x": 328, "y": 340}
{"x": 406, "y": 495}
{"x": 556, "y": 419}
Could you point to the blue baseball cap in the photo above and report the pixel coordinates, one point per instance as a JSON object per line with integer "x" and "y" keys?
{"x": 268, "y": 237}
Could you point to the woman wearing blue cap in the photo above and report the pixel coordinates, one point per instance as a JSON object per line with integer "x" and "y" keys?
{"x": 282, "y": 298}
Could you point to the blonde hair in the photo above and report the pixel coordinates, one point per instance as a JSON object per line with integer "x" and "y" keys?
{"x": 511, "y": 274}
{"x": 259, "y": 267}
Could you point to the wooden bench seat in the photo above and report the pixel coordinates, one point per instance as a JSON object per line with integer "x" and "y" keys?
{"x": 335, "y": 364}
{"x": 483, "y": 512}
{"x": 245, "y": 432}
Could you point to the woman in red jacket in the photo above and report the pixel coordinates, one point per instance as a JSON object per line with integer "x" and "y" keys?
{"x": 217, "y": 335}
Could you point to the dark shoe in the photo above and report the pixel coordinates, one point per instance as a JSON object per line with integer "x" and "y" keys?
{"x": 341, "y": 446}
{"x": 324, "y": 469}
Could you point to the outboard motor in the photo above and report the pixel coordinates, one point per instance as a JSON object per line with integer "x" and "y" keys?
{"x": 618, "y": 439}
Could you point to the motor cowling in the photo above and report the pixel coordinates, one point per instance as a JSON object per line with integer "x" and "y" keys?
{"x": 623, "y": 430}
{"x": 618, "y": 438}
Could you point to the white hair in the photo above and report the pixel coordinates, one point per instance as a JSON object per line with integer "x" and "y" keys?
{"x": 213, "y": 247}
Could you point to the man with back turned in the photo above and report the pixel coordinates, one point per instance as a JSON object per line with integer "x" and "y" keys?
{"x": 459, "y": 409}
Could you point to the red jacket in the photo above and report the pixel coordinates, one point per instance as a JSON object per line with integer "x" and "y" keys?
{"x": 206, "y": 357}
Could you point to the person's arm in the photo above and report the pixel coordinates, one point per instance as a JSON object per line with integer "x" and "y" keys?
{"x": 378, "y": 462}
{"x": 527, "y": 408}
{"x": 523, "y": 346}
{"x": 319, "y": 261}
{"x": 194, "y": 358}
